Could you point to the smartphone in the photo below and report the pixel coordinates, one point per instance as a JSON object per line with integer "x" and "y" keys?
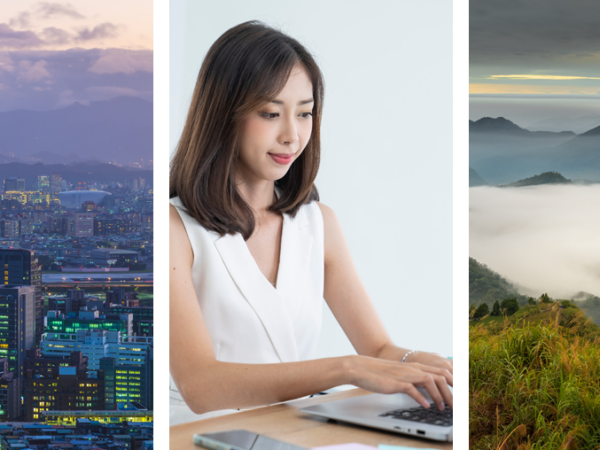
{"x": 240, "y": 440}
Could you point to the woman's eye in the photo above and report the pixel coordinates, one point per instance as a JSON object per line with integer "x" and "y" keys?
{"x": 306, "y": 115}
{"x": 268, "y": 115}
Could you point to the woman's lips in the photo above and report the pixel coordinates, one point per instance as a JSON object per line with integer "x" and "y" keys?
{"x": 282, "y": 158}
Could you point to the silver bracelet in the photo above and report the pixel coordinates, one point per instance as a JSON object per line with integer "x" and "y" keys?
{"x": 412, "y": 351}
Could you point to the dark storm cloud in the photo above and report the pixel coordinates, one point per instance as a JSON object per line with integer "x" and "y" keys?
{"x": 529, "y": 33}
{"x": 43, "y": 80}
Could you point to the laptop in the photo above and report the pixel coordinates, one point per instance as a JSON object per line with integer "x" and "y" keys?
{"x": 398, "y": 413}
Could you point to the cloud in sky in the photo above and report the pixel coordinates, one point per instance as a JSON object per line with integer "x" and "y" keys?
{"x": 54, "y": 53}
{"x": 542, "y": 77}
{"x": 534, "y": 31}
{"x": 61, "y": 25}
{"x": 52, "y": 36}
{"x": 525, "y": 54}
{"x": 533, "y": 89}
{"x": 544, "y": 238}
{"x": 42, "y": 79}
{"x": 44, "y": 10}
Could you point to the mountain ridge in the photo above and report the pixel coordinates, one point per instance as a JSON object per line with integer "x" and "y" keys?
{"x": 118, "y": 129}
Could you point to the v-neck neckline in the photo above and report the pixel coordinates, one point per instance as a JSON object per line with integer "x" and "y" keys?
{"x": 274, "y": 286}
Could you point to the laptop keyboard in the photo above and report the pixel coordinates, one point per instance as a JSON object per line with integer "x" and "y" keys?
{"x": 432, "y": 416}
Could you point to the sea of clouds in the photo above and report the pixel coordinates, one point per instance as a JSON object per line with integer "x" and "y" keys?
{"x": 542, "y": 238}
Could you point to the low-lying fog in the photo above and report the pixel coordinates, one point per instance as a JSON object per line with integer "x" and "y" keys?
{"x": 543, "y": 238}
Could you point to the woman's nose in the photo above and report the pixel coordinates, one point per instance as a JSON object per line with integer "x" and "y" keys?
{"x": 289, "y": 131}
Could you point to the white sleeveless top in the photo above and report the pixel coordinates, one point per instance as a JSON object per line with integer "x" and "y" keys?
{"x": 250, "y": 320}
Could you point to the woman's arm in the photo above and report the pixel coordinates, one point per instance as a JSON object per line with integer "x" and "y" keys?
{"x": 208, "y": 385}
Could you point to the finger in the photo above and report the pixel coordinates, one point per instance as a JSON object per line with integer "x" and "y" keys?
{"x": 411, "y": 390}
{"x": 444, "y": 390}
{"x": 438, "y": 371}
{"x": 431, "y": 387}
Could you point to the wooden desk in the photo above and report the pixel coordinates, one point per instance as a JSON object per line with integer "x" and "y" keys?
{"x": 285, "y": 423}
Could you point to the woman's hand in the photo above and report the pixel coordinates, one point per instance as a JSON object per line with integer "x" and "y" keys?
{"x": 430, "y": 359}
{"x": 391, "y": 377}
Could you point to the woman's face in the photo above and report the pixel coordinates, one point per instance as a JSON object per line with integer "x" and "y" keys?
{"x": 275, "y": 135}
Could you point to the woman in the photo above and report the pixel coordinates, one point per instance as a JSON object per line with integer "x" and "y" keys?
{"x": 253, "y": 252}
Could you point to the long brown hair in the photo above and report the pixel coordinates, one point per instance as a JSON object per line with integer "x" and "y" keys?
{"x": 245, "y": 68}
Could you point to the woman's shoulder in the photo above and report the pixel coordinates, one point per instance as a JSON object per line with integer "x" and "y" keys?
{"x": 180, "y": 241}
{"x": 332, "y": 231}
{"x": 329, "y": 217}
{"x": 181, "y": 220}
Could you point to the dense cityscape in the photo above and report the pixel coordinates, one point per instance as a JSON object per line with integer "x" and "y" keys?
{"x": 76, "y": 313}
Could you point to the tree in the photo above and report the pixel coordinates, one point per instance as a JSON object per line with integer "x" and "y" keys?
{"x": 545, "y": 298}
{"x": 471, "y": 310}
{"x": 496, "y": 311}
{"x": 531, "y": 301}
{"x": 482, "y": 311}
{"x": 511, "y": 305}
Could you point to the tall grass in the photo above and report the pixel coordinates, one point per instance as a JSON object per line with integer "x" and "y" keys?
{"x": 535, "y": 386}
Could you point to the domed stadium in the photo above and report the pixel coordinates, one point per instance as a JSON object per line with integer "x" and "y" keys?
{"x": 74, "y": 199}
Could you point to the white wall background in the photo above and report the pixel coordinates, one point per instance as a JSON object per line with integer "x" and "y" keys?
{"x": 386, "y": 138}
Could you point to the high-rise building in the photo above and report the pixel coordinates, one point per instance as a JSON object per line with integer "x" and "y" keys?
{"x": 84, "y": 224}
{"x": 10, "y": 393}
{"x": 17, "y": 325}
{"x": 124, "y": 383}
{"x": 69, "y": 391}
{"x": 131, "y": 351}
{"x": 38, "y": 366}
{"x": 10, "y": 184}
{"x": 73, "y": 302}
{"x": 149, "y": 374}
{"x": 89, "y": 320}
{"x": 144, "y": 327}
{"x": 21, "y": 267}
{"x": 43, "y": 183}
{"x": 9, "y": 229}
{"x": 143, "y": 317}
{"x": 55, "y": 183}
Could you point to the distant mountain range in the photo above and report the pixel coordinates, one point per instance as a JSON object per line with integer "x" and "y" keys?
{"x": 505, "y": 127}
{"x": 117, "y": 130}
{"x": 84, "y": 171}
{"x": 576, "y": 124}
{"x": 501, "y": 151}
{"x": 544, "y": 178}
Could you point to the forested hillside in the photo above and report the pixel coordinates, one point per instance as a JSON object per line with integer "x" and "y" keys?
{"x": 591, "y": 306}
{"x": 486, "y": 286}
